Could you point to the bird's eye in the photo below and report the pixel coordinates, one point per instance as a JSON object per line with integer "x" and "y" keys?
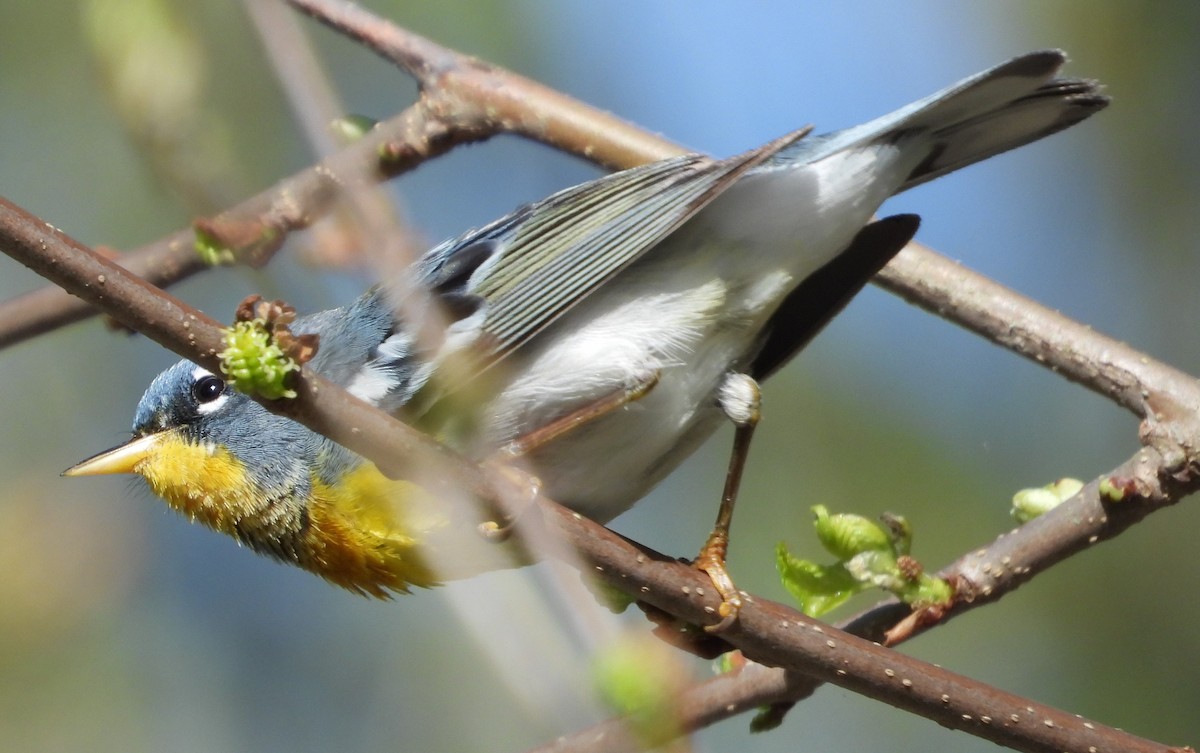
{"x": 207, "y": 388}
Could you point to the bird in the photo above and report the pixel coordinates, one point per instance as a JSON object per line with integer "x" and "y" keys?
{"x": 598, "y": 336}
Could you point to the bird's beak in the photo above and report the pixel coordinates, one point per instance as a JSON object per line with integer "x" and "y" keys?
{"x": 123, "y": 459}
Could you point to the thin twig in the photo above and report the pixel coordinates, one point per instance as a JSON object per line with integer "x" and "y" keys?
{"x": 258, "y": 226}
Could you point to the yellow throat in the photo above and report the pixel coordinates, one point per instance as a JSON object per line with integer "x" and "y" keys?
{"x": 366, "y": 533}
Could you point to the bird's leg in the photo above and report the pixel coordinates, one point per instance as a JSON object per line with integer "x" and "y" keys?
{"x": 741, "y": 400}
{"x": 544, "y": 435}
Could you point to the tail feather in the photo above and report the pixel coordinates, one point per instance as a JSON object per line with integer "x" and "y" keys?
{"x": 1049, "y": 109}
{"x": 977, "y": 95}
{"x": 1002, "y": 108}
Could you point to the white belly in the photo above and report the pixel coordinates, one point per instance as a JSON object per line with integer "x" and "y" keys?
{"x": 691, "y": 311}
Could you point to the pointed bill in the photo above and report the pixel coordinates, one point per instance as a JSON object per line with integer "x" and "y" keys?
{"x": 123, "y": 459}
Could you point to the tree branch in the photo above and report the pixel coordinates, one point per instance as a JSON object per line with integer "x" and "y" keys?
{"x": 765, "y": 632}
{"x": 1148, "y": 388}
{"x": 984, "y": 575}
{"x": 257, "y": 227}
{"x": 515, "y": 104}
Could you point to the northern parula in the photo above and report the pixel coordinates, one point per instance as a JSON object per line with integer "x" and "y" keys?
{"x": 663, "y": 292}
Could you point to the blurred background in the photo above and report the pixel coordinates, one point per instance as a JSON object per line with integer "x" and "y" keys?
{"x": 125, "y": 628}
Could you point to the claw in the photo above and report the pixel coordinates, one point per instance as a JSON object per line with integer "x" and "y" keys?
{"x": 494, "y": 530}
{"x": 711, "y": 561}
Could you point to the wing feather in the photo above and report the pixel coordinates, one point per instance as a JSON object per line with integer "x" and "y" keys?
{"x": 571, "y": 243}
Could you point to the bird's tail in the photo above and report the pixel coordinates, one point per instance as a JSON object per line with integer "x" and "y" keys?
{"x": 991, "y": 112}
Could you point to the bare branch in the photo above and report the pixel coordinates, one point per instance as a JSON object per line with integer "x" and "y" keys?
{"x": 511, "y": 102}
{"x": 257, "y": 227}
{"x": 1148, "y": 388}
{"x": 35, "y": 313}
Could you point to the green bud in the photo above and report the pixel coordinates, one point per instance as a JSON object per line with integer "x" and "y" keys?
{"x": 613, "y": 598}
{"x": 351, "y": 128}
{"x": 1111, "y": 490}
{"x": 730, "y": 661}
{"x": 876, "y": 568}
{"x": 253, "y": 363}
{"x": 816, "y": 588}
{"x": 1066, "y": 488}
{"x": 641, "y": 680}
{"x": 770, "y": 717}
{"x": 928, "y": 591}
{"x": 845, "y": 535}
{"x": 1030, "y": 503}
{"x": 212, "y": 252}
{"x": 869, "y": 557}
